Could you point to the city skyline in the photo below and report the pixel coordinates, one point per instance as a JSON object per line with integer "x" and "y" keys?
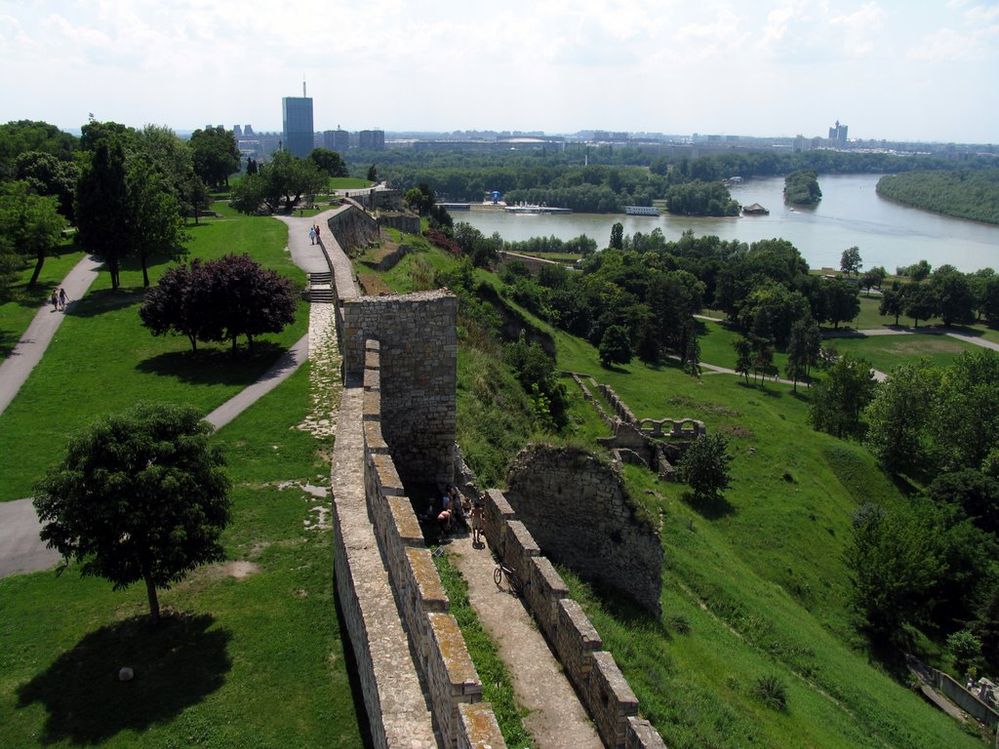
{"x": 895, "y": 71}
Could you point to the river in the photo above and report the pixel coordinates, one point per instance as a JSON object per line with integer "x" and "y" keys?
{"x": 850, "y": 214}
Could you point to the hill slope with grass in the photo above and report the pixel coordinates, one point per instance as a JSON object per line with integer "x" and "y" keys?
{"x": 757, "y": 645}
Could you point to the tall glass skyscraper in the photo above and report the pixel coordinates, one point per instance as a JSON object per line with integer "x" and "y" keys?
{"x": 297, "y": 121}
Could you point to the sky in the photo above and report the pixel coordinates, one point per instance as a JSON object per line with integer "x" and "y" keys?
{"x": 921, "y": 70}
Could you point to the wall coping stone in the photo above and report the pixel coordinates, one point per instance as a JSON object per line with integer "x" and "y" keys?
{"x": 450, "y": 644}
{"x": 478, "y": 723}
{"x": 388, "y": 477}
{"x": 428, "y": 582}
{"x": 407, "y": 526}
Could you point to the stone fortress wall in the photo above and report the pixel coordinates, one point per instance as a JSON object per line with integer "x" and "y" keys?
{"x": 578, "y": 509}
{"x": 598, "y": 681}
{"x": 397, "y": 425}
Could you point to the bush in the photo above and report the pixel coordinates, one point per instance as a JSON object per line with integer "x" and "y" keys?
{"x": 771, "y": 691}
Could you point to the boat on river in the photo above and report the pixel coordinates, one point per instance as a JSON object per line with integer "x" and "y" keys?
{"x": 755, "y": 209}
{"x": 534, "y": 209}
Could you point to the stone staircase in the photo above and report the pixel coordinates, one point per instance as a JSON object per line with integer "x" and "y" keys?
{"x": 321, "y": 288}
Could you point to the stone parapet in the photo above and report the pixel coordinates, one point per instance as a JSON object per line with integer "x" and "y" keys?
{"x": 592, "y": 671}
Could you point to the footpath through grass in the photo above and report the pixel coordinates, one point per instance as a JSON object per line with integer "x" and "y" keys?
{"x": 17, "y": 314}
{"x": 102, "y": 360}
{"x": 251, "y": 653}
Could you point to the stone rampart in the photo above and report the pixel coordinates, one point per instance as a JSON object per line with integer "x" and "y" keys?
{"x": 418, "y": 354}
{"x": 592, "y": 671}
{"x": 353, "y": 227}
{"x": 405, "y": 222}
{"x": 451, "y": 681}
{"x": 578, "y": 509}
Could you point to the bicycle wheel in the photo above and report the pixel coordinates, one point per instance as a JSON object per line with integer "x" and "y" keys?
{"x": 498, "y": 576}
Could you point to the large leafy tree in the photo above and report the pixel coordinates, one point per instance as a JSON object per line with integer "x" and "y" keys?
{"x": 921, "y": 302}
{"x": 894, "y": 563}
{"x": 216, "y": 155}
{"x": 898, "y": 416}
{"x": 31, "y": 224}
{"x": 154, "y": 223}
{"x": 851, "y": 262}
{"x": 23, "y": 136}
{"x": 48, "y": 175}
{"x": 278, "y": 184}
{"x": 102, "y": 207}
{"x": 955, "y": 295}
{"x": 140, "y": 496}
{"x": 803, "y": 349}
{"x": 965, "y": 423}
{"x": 840, "y": 301}
{"x": 329, "y": 162}
{"x": 181, "y": 303}
{"x": 838, "y": 400}
{"x": 247, "y": 299}
{"x": 893, "y": 301}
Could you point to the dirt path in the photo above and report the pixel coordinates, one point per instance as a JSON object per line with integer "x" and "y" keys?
{"x": 556, "y": 719}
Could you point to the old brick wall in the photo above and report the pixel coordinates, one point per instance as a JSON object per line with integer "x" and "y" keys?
{"x": 353, "y": 227}
{"x": 577, "y": 509}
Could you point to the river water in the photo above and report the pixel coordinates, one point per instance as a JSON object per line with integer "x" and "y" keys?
{"x": 849, "y": 214}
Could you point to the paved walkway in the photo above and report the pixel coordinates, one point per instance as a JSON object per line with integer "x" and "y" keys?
{"x": 14, "y": 370}
{"x": 556, "y": 718}
{"x": 21, "y": 550}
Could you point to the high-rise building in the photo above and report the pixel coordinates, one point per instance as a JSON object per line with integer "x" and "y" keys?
{"x": 837, "y": 134}
{"x": 336, "y": 140}
{"x": 297, "y": 124}
{"x": 373, "y": 140}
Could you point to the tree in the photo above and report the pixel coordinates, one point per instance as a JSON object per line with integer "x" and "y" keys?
{"x": 705, "y": 466}
{"x": 617, "y": 236}
{"x": 955, "y": 296}
{"x": 154, "y": 224}
{"x": 744, "y": 356}
{"x": 372, "y": 174}
{"x": 329, "y": 162}
{"x": 278, "y": 184}
{"x": 840, "y": 301}
{"x": 30, "y": 224}
{"x": 893, "y": 301}
{"x": 138, "y": 496}
{"x": 851, "y": 262}
{"x": 965, "y": 421}
{"x": 975, "y": 493}
{"x": 216, "y": 155}
{"x": 802, "y": 349}
{"x": 48, "y": 175}
{"x": 181, "y": 303}
{"x": 894, "y": 566}
{"x": 839, "y": 398}
{"x": 921, "y": 302}
{"x": 873, "y": 277}
{"x": 898, "y": 416}
{"x": 615, "y": 346}
{"x": 102, "y": 206}
{"x": 247, "y": 299}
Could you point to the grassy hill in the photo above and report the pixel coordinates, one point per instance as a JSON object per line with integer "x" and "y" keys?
{"x": 755, "y": 589}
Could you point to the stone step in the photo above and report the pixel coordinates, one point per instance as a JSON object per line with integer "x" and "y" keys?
{"x": 321, "y": 278}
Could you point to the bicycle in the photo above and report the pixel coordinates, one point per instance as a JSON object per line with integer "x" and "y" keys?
{"x": 512, "y": 580}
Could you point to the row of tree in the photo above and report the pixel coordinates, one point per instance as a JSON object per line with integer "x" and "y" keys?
{"x": 971, "y": 194}
{"x": 947, "y": 293}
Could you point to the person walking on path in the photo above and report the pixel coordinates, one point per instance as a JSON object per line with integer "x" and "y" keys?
{"x": 62, "y": 298}
{"x": 318, "y": 241}
{"x": 55, "y": 300}
{"x": 312, "y": 234}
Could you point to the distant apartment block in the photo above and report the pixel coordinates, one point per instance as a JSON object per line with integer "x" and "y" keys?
{"x": 372, "y": 140}
{"x": 339, "y": 140}
{"x": 297, "y": 125}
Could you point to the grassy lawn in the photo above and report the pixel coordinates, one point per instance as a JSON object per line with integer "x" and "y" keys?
{"x": 758, "y": 578}
{"x": 716, "y": 346}
{"x": 348, "y": 183}
{"x": 887, "y": 352}
{"x": 102, "y": 360}
{"x": 254, "y": 661}
{"x": 16, "y": 315}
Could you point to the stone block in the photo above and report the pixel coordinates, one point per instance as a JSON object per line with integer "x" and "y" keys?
{"x": 388, "y": 478}
{"x": 373, "y": 439}
{"x": 497, "y": 514}
{"x": 372, "y": 405}
{"x": 518, "y": 547}
{"x": 576, "y": 639}
{"x": 640, "y": 734}
{"x": 609, "y": 699}
{"x": 478, "y": 728}
{"x": 403, "y": 521}
{"x": 543, "y": 594}
{"x": 428, "y": 586}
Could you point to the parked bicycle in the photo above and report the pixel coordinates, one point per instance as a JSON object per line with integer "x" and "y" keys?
{"x": 513, "y": 582}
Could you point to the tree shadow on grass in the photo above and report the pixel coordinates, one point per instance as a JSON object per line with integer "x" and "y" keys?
{"x": 215, "y": 366}
{"x": 105, "y": 300}
{"x": 177, "y": 664}
{"x": 709, "y": 508}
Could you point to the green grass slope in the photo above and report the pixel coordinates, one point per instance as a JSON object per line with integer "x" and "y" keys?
{"x": 253, "y": 662}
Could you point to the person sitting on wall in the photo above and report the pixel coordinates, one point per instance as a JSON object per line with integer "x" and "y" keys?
{"x": 445, "y": 516}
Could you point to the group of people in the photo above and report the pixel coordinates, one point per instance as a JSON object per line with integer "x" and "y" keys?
{"x": 314, "y": 233}
{"x": 58, "y": 299}
{"x": 456, "y": 510}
